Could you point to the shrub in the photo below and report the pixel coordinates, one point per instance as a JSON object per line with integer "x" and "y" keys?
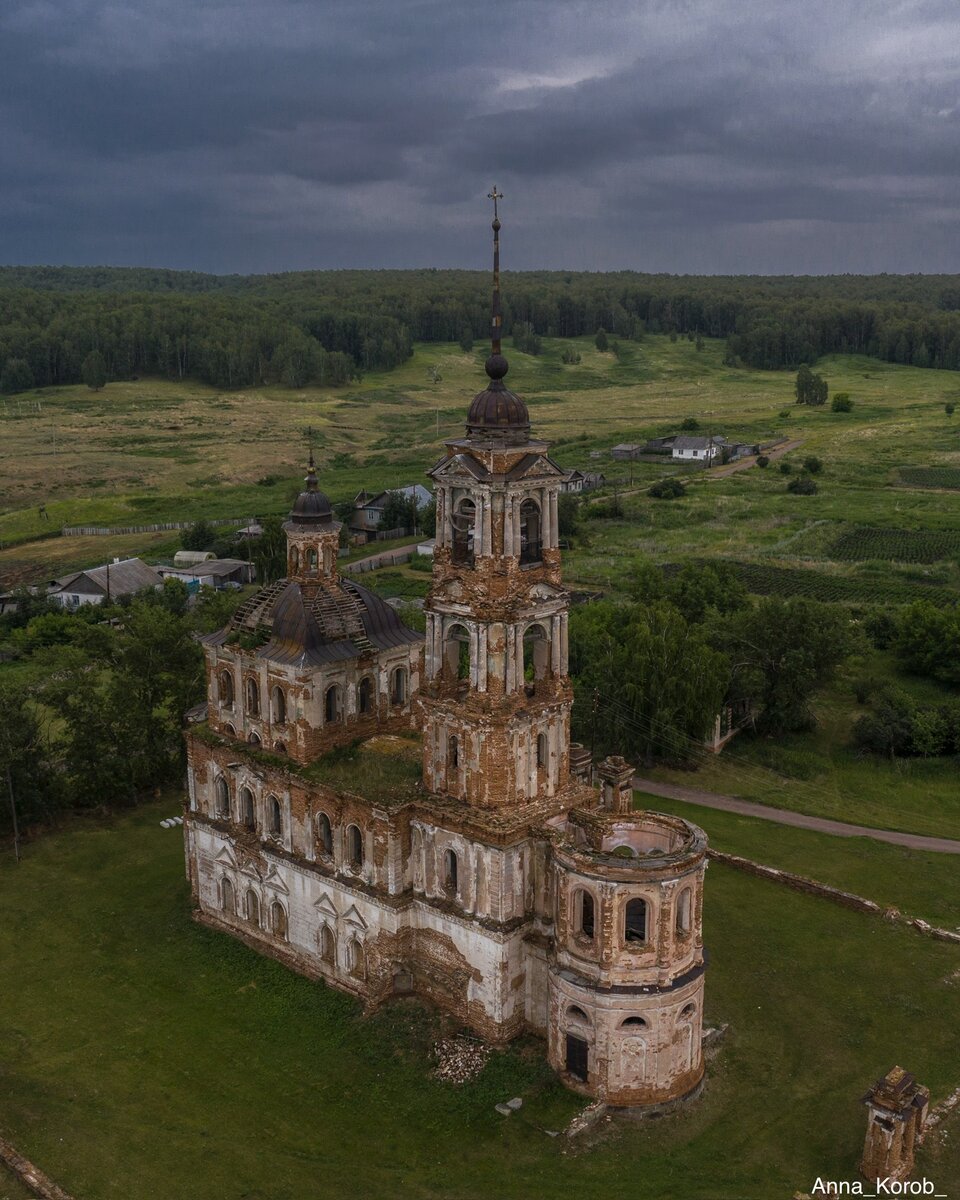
{"x": 570, "y": 356}
{"x": 785, "y": 467}
{"x": 667, "y": 489}
{"x": 601, "y": 341}
{"x": 763, "y": 461}
{"x": 812, "y": 464}
{"x": 949, "y": 408}
{"x": 689, "y": 423}
{"x": 865, "y": 687}
{"x": 803, "y": 485}
{"x": 784, "y": 414}
{"x": 841, "y": 403}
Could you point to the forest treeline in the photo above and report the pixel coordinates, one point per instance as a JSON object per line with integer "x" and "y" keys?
{"x": 330, "y": 326}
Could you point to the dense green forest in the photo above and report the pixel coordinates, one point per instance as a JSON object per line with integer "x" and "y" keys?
{"x": 330, "y": 326}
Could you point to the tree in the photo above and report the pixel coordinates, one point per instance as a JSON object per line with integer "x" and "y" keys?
{"x": 269, "y": 551}
{"x": 399, "y": 511}
{"x": 29, "y": 785}
{"x": 803, "y": 485}
{"x": 841, "y": 403}
{"x": 658, "y": 683}
{"x": 466, "y": 339}
{"x": 781, "y": 651}
{"x": 763, "y": 461}
{"x": 701, "y": 588}
{"x": 297, "y": 360}
{"x": 568, "y": 511}
{"x": 667, "y": 489}
{"x": 16, "y": 376}
{"x": 601, "y": 341}
{"x": 927, "y": 639}
{"x": 699, "y": 343}
{"x": 93, "y": 371}
{"x": 689, "y": 424}
{"x": 198, "y": 536}
{"x": 786, "y": 468}
{"x": 810, "y": 388}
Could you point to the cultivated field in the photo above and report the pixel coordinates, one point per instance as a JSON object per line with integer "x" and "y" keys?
{"x": 146, "y": 1056}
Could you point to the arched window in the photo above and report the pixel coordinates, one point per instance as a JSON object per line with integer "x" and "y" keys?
{"x": 398, "y": 686}
{"x": 253, "y": 698}
{"x": 536, "y": 656}
{"x": 331, "y": 704}
{"x": 311, "y": 561}
{"x": 225, "y": 684}
{"x": 464, "y": 519}
{"x": 451, "y": 871}
{"x": 228, "y": 900}
{"x": 365, "y": 696}
{"x": 275, "y": 816}
{"x": 328, "y": 946}
{"x": 278, "y": 920}
{"x": 683, "y": 911}
{"x": 294, "y": 560}
{"x": 279, "y": 747}
{"x": 576, "y": 1013}
{"x": 453, "y": 752}
{"x": 688, "y": 1011}
{"x": 254, "y": 739}
{"x": 222, "y": 797}
{"x": 253, "y": 907}
{"x": 279, "y": 707}
{"x": 456, "y": 653}
{"x": 541, "y": 750}
{"x": 635, "y": 921}
{"x": 324, "y": 833}
{"x": 246, "y": 808}
{"x": 633, "y": 1023}
{"x": 228, "y": 728}
{"x": 356, "y": 959}
{"x": 530, "y": 544}
{"x": 354, "y": 847}
{"x": 584, "y": 913}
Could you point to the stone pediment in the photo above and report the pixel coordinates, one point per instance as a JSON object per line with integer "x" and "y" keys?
{"x": 275, "y": 880}
{"x": 539, "y": 466}
{"x": 352, "y": 917}
{"x": 459, "y": 466}
{"x": 225, "y": 857}
{"x": 326, "y": 906}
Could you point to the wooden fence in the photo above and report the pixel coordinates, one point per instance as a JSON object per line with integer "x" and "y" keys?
{"x": 100, "y": 531}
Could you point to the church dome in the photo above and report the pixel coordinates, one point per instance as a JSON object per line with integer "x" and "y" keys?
{"x": 496, "y": 411}
{"x": 311, "y": 508}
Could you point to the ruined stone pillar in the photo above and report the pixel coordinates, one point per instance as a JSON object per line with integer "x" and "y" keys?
{"x": 896, "y": 1111}
{"x": 616, "y": 784}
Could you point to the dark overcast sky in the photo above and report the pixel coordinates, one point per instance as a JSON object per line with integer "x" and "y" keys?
{"x": 680, "y": 135}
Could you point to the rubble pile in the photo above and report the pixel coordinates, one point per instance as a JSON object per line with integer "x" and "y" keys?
{"x": 459, "y": 1059}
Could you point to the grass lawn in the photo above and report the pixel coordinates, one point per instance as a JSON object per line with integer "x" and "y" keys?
{"x": 144, "y": 1056}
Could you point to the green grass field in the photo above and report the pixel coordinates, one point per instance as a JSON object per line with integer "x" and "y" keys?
{"x": 147, "y": 1057}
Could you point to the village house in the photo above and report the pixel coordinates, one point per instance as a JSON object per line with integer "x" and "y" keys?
{"x": 212, "y": 572}
{"x": 101, "y": 585}
{"x": 400, "y": 813}
{"x": 368, "y": 510}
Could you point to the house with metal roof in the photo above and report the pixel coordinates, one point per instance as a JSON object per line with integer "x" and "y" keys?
{"x": 100, "y": 585}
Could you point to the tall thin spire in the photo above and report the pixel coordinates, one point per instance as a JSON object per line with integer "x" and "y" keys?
{"x": 497, "y": 316}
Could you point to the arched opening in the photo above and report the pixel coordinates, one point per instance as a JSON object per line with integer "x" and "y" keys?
{"x": 253, "y": 698}
{"x": 331, "y": 704}
{"x": 225, "y": 684}
{"x": 354, "y": 847}
{"x": 398, "y": 686}
{"x": 275, "y": 817}
{"x": 294, "y": 560}
{"x": 279, "y": 747}
{"x": 576, "y": 1013}
{"x": 279, "y": 707}
{"x": 247, "y": 817}
{"x": 222, "y": 797}
{"x": 324, "y": 834}
{"x": 253, "y": 907}
{"x": 633, "y": 1023}
{"x": 228, "y": 900}
{"x": 577, "y": 1057}
{"x": 228, "y": 728}
{"x": 688, "y": 1011}
{"x": 254, "y": 739}
{"x": 456, "y": 654}
{"x": 453, "y": 752}
{"x": 356, "y": 959}
{"x": 536, "y": 656}
{"x": 531, "y": 546}
{"x": 451, "y": 871}
{"x": 635, "y": 921}
{"x": 464, "y": 520}
{"x": 311, "y": 560}
{"x": 541, "y": 750}
{"x": 584, "y": 920}
{"x": 278, "y": 920}
{"x": 328, "y": 946}
{"x": 683, "y": 911}
{"x": 365, "y": 696}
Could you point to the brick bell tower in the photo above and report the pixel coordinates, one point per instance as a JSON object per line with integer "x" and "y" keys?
{"x": 496, "y": 698}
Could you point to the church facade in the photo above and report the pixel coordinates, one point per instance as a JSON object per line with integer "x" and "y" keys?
{"x": 399, "y": 813}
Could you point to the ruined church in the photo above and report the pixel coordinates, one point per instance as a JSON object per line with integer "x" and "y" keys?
{"x": 404, "y": 814}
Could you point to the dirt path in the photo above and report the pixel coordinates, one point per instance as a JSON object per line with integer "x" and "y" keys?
{"x": 783, "y": 816}
{"x": 744, "y": 464}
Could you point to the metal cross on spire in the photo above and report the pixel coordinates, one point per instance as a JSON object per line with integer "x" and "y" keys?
{"x": 494, "y": 196}
{"x": 497, "y": 321}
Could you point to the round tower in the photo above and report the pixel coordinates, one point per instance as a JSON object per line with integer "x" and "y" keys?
{"x": 313, "y": 535}
{"x": 627, "y": 971}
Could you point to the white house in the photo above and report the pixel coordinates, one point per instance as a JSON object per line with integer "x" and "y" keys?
{"x": 701, "y": 449}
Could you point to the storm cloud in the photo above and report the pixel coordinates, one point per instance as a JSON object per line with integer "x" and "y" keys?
{"x": 679, "y": 135}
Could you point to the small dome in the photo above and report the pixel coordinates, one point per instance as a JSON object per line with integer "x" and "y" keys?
{"x": 311, "y": 507}
{"x": 496, "y": 411}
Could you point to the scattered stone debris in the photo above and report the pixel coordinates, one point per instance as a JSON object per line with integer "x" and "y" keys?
{"x": 460, "y": 1059}
{"x": 712, "y": 1037}
{"x": 586, "y": 1119}
{"x": 503, "y": 1109}
{"x": 515, "y": 1103}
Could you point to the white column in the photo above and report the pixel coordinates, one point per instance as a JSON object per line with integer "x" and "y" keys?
{"x": 556, "y": 649}
{"x": 564, "y": 644}
{"x": 487, "y": 525}
{"x": 555, "y": 517}
{"x": 545, "y": 520}
{"x": 482, "y": 659}
{"x": 508, "y": 543}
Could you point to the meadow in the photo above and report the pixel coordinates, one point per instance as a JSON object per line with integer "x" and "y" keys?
{"x": 146, "y": 1056}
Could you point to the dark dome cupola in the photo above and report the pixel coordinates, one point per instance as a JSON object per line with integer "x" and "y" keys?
{"x": 311, "y": 508}
{"x": 313, "y": 535}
